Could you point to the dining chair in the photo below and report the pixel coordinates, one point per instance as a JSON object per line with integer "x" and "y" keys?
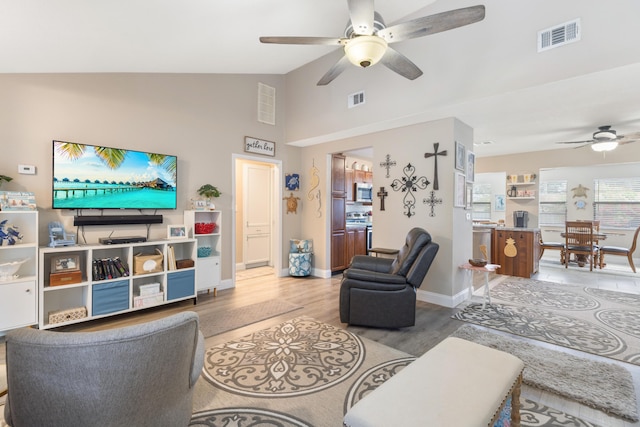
{"x": 579, "y": 241}
{"x": 557, "y": 246}
{"x": 615, "y": 250}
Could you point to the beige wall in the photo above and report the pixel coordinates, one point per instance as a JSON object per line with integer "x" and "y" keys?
{"x": 449, "y": 227}
{"x": 203, "y": 119}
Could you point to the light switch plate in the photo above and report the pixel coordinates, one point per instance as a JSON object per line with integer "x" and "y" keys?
{"x": 27, "y": 169}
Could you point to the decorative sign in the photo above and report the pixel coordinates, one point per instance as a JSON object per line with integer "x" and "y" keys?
{"x": 259, "y": 146}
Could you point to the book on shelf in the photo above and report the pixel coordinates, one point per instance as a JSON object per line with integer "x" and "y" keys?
{"x": 109, "y": 268}
{"x": 171, "y": 258}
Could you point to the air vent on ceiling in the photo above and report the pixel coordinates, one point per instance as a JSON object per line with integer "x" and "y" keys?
{"x": 559, "y": 35}
{"x": 355, "y": 99}
{"x": 266, "y": 104}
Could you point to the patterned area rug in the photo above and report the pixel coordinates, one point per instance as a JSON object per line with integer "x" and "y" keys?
{"x": 217, "y": 322}
{"x": 605, "y": 386}
{"x": 597, "y": 321}
{"x": 306, "y": 373}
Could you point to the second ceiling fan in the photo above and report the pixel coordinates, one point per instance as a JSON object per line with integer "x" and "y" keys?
{"x": 606, "y": 139}
{"x": 366, "y": 39}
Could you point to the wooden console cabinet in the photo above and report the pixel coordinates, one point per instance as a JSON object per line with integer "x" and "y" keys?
{"x": 516, "y": 250}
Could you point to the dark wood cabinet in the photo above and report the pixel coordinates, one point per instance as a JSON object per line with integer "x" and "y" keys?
{"x": 338, "y": 214}
{"x": 517, "y": 251}
{"x": 348, "y": 182}
{"x": 356, "y": 241}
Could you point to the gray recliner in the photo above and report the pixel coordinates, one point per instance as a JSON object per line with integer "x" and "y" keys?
{"x": 381, "y": 292}
{"x": 140, "y": 375}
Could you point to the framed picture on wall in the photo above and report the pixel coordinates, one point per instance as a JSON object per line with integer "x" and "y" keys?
{"x": 471, "y": 166}
{"x": 461, "y": 157}
{"x": 459, "y": 190}
{"x": 468, "y": 200}
{"x": 500, "y": 204}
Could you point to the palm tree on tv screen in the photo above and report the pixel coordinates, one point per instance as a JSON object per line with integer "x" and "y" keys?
{"x": 113, "y": 157}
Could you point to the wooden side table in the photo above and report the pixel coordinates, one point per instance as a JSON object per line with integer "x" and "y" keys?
{"x": 486, "y": 270}
{"x": 383, "y": 251}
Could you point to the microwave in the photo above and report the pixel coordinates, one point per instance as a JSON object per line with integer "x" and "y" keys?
{"x": 363, "y": 192}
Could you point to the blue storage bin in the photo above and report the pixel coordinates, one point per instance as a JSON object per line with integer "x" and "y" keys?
{"x": 181, "y": 284}
{"x": 110, "y": 297}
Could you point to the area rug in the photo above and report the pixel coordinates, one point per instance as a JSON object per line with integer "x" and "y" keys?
{"x": 604, "y": 386}
{"x": 306, "y": 373}
{"x": 597, "y": 321}
{"x": 217, "y": 322}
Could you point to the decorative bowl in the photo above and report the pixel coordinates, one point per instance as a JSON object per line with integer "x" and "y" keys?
{"x": 478, "y": 262}
{"x": 9, "y": 269}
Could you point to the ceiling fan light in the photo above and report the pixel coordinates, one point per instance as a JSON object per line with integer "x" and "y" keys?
{"x": 365, "y": 51}
{"x": 604, "y": 146}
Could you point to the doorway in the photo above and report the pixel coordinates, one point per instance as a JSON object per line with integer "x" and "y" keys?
{"x": 256, "y": 221}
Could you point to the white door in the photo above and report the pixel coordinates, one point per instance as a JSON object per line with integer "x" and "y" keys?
{"x": 257, "y": 214}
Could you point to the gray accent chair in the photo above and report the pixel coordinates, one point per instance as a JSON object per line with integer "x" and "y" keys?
{"x": 140, "y": 375}
{"x": 381, "y": 292}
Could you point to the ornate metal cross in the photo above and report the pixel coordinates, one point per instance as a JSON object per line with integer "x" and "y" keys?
{"x": 409, "y": 184}
{"x": 435, "y": 155}
{"x": 382, "y": 194}
{"x": 388, "y": 163}
{"x": 432, "y": 201}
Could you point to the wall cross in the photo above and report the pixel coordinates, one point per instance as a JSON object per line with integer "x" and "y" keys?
{"x": 387, "y": 163}
{"x": 382, "y": 194}
{"x": 435, "y": 155}
{"x": 432, "y": 201}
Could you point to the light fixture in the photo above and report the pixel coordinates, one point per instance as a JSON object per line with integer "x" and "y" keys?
{"x": 365, "y": 51}
{"x": 604, "y": 146}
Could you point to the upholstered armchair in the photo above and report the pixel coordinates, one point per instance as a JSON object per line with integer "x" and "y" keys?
{"x": 140, "y": 375}
{"x": 381, "y": 292}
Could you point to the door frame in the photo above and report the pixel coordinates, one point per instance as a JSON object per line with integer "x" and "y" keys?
{"x": 276, "y": 218}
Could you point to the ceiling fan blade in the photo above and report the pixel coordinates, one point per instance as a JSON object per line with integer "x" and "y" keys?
{"x": 399, "y": 63}
{"x": 576, "y": 142}
{"x": 361, "y": 13}
{"x": 630, "y": 137}
{"x": 432, "y": 24}
{"x": 303, "y": 40}
{"x": 334, "y": 71}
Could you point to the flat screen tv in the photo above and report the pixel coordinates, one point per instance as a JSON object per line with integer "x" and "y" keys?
{"x": 94, "y": 177}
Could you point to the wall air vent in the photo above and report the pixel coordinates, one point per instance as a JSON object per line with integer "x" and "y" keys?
{"x": 559, "y": 35}
{"x": 355, "y": 99}
{"x": 266, "y": 104}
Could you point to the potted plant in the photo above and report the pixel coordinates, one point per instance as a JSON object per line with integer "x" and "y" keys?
{"x": 4, "y": 178}
{"x": 209, "y": 192}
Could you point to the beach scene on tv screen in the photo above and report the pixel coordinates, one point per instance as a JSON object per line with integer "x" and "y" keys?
{"x": 87, "y": 176}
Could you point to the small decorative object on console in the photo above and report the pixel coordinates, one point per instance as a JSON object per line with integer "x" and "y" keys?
{"x": 9, "y": 234}
{"x": 8, "y": 270}
{"x": 204, "y": 227}
{"x": 478, "y": 262}
{"x": 59, "y": 237}
{"x": 67, "y": 315}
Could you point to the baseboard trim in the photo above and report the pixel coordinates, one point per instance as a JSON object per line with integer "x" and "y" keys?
{"x": 442, "y": 300}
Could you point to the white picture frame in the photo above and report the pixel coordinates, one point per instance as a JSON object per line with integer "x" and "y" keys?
{"x": 459, "y": 190}
{"x": 177, "y": 231}
{"x": 461, "y": 157}
{"x": 471, "y": 166}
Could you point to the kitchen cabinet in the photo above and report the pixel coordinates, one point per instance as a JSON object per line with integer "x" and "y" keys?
{"x": 516, "y": 250}
{"x": 338, "y": 213}
{"x": 356, "y": 241}
{"x": 349, "y": 182}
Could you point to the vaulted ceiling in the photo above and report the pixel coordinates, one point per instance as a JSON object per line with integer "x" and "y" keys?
{"x": 207, "y": 36}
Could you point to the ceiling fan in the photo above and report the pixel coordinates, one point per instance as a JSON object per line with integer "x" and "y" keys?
{"x": 606, "y": 139}
{"x": 366, "y": 38}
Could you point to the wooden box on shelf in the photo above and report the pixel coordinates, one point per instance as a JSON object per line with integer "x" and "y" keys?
{"x": 65, "y": 278}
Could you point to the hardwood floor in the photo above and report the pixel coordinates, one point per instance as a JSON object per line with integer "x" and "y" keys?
{"x": 319, "y": 297}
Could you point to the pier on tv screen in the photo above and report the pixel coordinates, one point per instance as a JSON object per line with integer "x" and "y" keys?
{"x": 95, "y": 177}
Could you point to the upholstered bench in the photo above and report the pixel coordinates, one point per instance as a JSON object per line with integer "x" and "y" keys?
{"x": 457, "y": 383}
